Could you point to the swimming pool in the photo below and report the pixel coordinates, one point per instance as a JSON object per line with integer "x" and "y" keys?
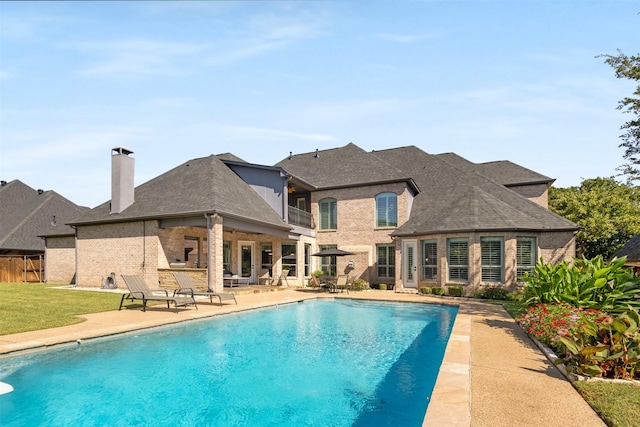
{"x": 315, "y": 363}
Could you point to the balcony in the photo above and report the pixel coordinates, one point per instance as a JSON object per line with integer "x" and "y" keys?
{"x": 300, "y": 218}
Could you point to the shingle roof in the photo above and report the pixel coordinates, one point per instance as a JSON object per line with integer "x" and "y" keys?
{"x": 631, "y": 250}
{"x": 203, "y": 185}
{"x": 503, "y": 171}
{"x": 460, "y": 199}
{"x": 26, "y": 214}
{"x": 346, "y": 166}
{"x": 231, "y": 157}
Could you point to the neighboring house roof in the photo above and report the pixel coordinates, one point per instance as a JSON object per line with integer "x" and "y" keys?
{"x": 199, "y": 186}
{"x": 631, "y": 250}
{"x": 503, "y": 171}
{"x": 459, "y": 199}
{"x": 347, "y": 166}
{"x": 26, "y": 214}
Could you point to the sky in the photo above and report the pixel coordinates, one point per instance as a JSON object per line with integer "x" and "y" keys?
{"x": 173, "y": 81}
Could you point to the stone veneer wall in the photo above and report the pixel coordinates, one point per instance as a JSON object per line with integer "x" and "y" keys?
{"x": 60, "y": 260}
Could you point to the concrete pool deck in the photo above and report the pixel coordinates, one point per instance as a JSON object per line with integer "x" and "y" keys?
{"x": 492, "y": 373}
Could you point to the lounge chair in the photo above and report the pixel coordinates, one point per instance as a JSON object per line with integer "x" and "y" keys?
{"x": 187, "y": 287}
{"x": 138, "y": 289}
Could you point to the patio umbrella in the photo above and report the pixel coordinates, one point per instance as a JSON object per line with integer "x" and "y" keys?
{"x": 332, "y": 252}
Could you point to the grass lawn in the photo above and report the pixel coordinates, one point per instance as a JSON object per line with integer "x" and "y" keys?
{"x": 34, "y": 306}
{"x": 617, "y": 404}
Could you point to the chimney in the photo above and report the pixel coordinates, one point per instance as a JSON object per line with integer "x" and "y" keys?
{"x": 317, "y": 155}
{"x": 121, "y": 179}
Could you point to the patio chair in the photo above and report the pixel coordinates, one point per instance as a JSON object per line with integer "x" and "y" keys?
{"x": 320, "y": 286}
{"x": 138, "y": 290}
{"x": 283, "y": 276}
{"x": 342, "y": 283}
{"x": 187, "y": 287}
{"x": 265, "y": 278}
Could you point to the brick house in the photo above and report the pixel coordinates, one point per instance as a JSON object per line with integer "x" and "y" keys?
{"x": 27, "y": 215}
{"x": 410, "y": 219}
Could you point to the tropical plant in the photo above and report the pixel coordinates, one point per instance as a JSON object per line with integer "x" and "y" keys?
{"x": 594, "y": 283}
{"x": 548, "y": 322}
{"x": 609, "y": 348}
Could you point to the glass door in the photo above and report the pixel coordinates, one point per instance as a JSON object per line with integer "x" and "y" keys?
{"x": 409, "y": 264}
{"x": 245, "y": 259}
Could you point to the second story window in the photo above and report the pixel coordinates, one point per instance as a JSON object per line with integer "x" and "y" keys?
{"x": 387, "y": 210}
{"x": 328, "y": 214}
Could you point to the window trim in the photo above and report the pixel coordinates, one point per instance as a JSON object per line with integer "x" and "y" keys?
{"x": 461, "y": 267}
{"x": 332, "y": 214}
{"x": 534, "y": 256}
{"x": 387, "y": 222}
{"x": 489, "y": 266}
{"x": 390, "y": 268}
{"x": 433, "y": 266}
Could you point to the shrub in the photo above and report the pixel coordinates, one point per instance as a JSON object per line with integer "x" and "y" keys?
{"x": 608, "y": 348}
{"x": 456, "y": 291}
{"x": 359, "y": 285}
{"x": 494, "y": 293}
{"x": 606, "y": 286}
{"x": 425, "y": 290}
{"x": 382, "y": 286}
{"x": 437, "y": 290}
{"x": 589, "y": 342}
{"x": 548, "y": 322}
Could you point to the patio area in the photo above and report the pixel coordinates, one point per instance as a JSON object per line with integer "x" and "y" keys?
{"x": 492, "y": 373}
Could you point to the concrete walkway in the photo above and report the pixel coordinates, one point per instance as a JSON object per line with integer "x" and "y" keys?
{"x": 492, "y": 373}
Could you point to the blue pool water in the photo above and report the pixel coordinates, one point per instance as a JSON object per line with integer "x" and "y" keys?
{"x": 316, "y": 363}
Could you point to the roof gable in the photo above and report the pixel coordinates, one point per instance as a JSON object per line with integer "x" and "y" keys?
{"x": 28, "y": 213}
{"x": 199, "y": 186}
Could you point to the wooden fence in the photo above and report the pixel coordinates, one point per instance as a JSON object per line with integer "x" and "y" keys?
{"x": 21, "y": 268}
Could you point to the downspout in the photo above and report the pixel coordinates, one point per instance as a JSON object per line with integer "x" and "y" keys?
{"x": 75, "y": 248}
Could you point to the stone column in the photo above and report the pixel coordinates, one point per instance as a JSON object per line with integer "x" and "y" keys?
{"x": 215, "y": 253}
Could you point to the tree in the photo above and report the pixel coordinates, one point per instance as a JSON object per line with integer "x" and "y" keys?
{"x": 607, "y": 212}
{"x": 628, "y": 67}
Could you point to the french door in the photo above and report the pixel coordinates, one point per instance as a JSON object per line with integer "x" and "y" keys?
{"x": 409, "y": 264}
{"x": 246, "y": 266}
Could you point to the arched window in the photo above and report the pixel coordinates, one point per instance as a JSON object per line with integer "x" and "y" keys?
{"x": 387, "y": 210}
{"x": 328, "y": 214}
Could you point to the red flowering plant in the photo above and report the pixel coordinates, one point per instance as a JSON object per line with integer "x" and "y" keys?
{"x": 548, "y": 322}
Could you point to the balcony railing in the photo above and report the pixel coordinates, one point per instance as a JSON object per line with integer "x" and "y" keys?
{"x": 300, "y": 217}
